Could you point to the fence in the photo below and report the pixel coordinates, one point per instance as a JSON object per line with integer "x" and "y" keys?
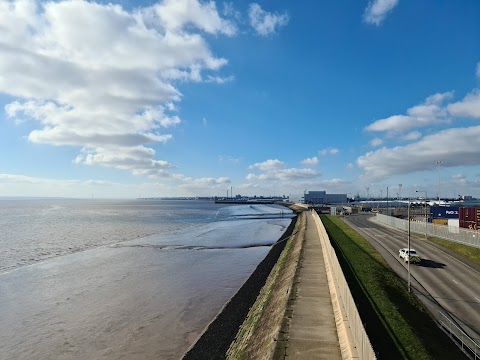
{"x": 467, "y": 344}
{"x": 360, "y": 339}
{"x": 451, "y": 233}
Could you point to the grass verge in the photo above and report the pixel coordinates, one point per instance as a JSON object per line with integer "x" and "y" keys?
{"x": 469, "y": 252}
{"x": 398, "y": 325}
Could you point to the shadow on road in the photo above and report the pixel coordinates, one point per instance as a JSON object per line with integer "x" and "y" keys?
{"x": 431, "y": 264}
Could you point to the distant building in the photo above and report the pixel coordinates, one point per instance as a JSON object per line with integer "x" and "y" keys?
{"x": 321, "y": 197}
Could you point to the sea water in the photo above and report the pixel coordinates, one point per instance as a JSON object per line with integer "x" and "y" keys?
{"x": 139, "y": 279}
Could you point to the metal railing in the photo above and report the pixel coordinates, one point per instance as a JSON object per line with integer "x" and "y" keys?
{"x": 467, "y": 344}
{"x": 451, "y": 233}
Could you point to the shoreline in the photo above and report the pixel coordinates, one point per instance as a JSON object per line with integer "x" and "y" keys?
{"x": 216, "y": 338}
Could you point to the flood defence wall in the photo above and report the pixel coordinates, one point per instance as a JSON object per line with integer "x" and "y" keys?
{"x": 354, "y": 342}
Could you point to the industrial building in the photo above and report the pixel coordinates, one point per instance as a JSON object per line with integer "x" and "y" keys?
{"x": 321, "y": 197}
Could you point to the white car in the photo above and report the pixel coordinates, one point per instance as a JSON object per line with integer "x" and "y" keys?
{"x": 409, "y": 256}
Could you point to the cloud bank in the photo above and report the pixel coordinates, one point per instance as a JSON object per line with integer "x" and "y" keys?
{"x": 274, "y": 169}
{"x": 430, "y": 112}
{"x": 104, "y": 79}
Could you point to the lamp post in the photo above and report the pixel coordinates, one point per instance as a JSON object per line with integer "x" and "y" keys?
{"x": 425, "y": 211}
{"x": 408, "y": 242}
{"x": 439, "y": 162}
{"x": 388, "y": 209}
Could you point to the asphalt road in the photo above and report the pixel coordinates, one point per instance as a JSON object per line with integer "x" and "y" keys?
{"x": 442, "y": 281}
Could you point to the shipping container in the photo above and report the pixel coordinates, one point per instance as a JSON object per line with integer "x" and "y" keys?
{"x": 472, "y": 225}
{"x": 440, "y": 221}
{"x": 467, "y": 214}
{"x": 453, "y": 226}
{"x": 454, "y": 222}
{"x": 469, "y": 217}
{"x": 444, "y": 212}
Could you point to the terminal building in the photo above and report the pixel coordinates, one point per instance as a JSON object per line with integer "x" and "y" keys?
{"x": 321, "y": 197}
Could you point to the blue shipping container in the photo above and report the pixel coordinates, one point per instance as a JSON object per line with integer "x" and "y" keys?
{"x": 444, "y": 212}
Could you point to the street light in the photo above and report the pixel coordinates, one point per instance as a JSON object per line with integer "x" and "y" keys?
{"x": 408, "y": 242}
{"x": 425, "y": 211}
{"x": 439, "y": 162}
{"x": 388, "y": 212}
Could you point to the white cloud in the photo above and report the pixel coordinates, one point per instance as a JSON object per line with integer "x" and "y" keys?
{"x": 431, "y": 111}
{"x": 284, "y": 174}
{"x": 269, "y": 165}
{"x": 265, "y": 23}
{"x": 334, "y": 183}
{"x": 313, "y": 161}
{"x": 230, "y": 11}
{"x": 377, "y": 11}
{"x": 456, "y": 146}
{"x": 350, "y": 166}
{"x": 229, "y": 159}
{"x": 202, "y": 183}
{"x": 459, "y": 178}
{"x": 219, "y": 80}
{"x": 412, "y": 136}
{"x": 469, "y": 106}
{"x": 20, "y": 185}
{"x": 103, "y": 78}
{"x": 276, "y": 170}
{"x": 331, "y": 151}
{"x": 376, "y": 142}
{"x": 176, "y": 14}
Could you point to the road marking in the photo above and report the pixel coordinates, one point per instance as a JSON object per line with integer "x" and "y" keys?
{"x": 477, "y": 299}
{"x": 454, "y": 281}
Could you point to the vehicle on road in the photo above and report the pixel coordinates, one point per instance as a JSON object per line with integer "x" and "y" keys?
{"x": 409, "y": 255}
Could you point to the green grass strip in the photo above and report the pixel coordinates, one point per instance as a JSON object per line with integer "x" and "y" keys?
{"x": 469, "y": 252}
{"x": 397, "y": 324}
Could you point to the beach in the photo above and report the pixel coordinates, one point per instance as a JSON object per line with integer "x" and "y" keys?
{"x": 150, "y": 297}
{"x": 215, "y": 341}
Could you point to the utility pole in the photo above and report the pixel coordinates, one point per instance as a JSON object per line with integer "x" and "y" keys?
{"x": 426, "y": 222}
{"x": 439, "y": 162}
{"x": 408, "y": 242}
{"x": 388, "y": 209}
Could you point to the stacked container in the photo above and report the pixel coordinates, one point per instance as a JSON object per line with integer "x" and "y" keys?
{"x": 469, "y": 218}
{"x": 444, "y": 212}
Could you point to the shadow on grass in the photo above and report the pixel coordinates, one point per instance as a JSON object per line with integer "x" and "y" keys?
{"x": 379, "y": 335}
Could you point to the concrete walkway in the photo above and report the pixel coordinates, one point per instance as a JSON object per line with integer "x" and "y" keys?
{"x": 311, "y": 332}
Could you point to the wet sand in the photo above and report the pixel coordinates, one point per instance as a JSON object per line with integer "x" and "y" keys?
{"x": 216, "y": 339}
{"x": 138, "y": 300}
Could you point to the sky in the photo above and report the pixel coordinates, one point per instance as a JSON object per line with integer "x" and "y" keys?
{"x": 135, "y": 99}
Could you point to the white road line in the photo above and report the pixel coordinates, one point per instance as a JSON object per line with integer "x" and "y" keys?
{"x": 454, "y": 281}
{"x": 477, "y": 299}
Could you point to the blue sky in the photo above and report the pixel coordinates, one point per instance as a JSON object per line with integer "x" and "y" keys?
{"x": 187, "y": 97}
